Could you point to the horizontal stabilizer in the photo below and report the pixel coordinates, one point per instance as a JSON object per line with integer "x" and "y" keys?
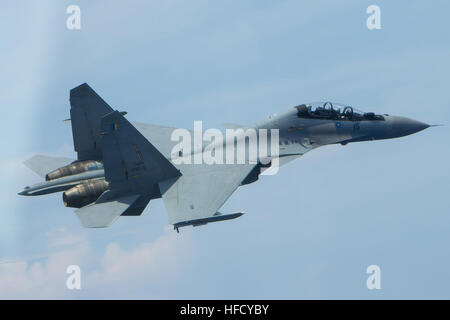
{"x": 42, "y": 165}
{"x": 101, "y": 215}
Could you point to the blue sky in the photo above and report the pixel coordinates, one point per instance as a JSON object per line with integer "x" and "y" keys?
{"x": 311, "y": 230}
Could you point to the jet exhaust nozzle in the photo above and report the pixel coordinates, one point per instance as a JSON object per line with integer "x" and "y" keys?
{"x": 85, "y": 193}
{"x": 73, "y": 168}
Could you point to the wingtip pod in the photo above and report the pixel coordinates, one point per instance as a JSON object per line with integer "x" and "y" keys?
{"x": 215, "y": 218}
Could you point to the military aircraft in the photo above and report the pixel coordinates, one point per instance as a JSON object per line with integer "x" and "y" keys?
{"x": 121, "y": 166}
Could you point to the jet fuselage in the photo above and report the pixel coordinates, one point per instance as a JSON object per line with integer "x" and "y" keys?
{"x": 301, "y": 129}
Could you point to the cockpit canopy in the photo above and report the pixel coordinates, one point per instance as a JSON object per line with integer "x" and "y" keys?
{"x": 329, "y": 110}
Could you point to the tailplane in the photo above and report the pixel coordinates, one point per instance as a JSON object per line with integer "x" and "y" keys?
{"x": 42, "y": 164}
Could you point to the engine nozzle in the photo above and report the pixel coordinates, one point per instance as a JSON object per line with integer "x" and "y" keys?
{"x": 85, "y": 193}
{"x": 73, "y": 168}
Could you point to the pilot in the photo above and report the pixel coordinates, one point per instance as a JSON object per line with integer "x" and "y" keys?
{"x": 348, "y": 113}
{"x": 334, "y": 114}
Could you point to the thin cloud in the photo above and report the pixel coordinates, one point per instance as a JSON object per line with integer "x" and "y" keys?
{"x": 113, "y": 272}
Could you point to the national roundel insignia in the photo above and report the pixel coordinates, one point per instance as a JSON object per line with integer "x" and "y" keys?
{"x": 338, "y": 124}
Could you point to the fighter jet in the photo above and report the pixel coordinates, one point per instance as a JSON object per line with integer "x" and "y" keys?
{"x": 121, "y": 166}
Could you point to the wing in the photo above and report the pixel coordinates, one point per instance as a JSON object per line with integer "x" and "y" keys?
{"x": 229, "y": 125}
{"x": 87, "y": 109}
{"x": 201, "y": 190}
{"x": 103, "y": 214}
{"x": 159, "y": 136}
{"x": 42, "y": 164}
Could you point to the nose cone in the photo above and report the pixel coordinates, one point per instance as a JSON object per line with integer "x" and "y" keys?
{"x": 402, "y": 126}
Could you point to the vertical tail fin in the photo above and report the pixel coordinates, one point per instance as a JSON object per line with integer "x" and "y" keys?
{"x": 87, "y": 109}
{"x": 128, "y": 157}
